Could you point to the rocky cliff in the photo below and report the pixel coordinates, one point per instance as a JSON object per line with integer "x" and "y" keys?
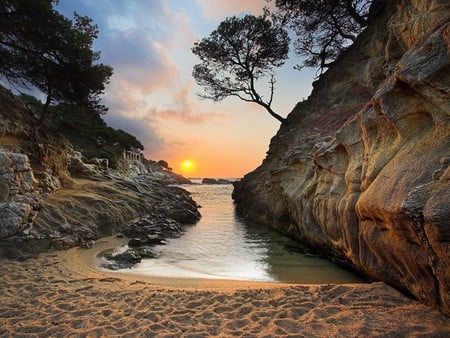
{"x": 360, "y": 170}
{"x": 51, "y": 198}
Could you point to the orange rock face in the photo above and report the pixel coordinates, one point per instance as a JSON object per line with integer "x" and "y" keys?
{"x": 361, "y": 169}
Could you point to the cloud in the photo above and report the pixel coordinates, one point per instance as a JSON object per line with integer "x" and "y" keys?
{"x": 183, "y": 108}
{"x": 219, "y": 9}
{"x": 185, "y": 115}
{"x": 148, "y": 43}
{"x": 139, "y": 63}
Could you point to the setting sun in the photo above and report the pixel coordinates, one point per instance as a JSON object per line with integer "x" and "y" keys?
{"x": 187, "y": 166}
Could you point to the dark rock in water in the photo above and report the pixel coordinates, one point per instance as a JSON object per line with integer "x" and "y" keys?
{"x": 215, "y": 181}
{"x": 129, "y": 256}
{"x": 153, "y": 240}
{"x": 184, "y": 213}
{"x": 209, "y": 181}
{"x": 126, "y": 259}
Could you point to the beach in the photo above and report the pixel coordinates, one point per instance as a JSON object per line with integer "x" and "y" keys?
{"x": 64, "y": 294}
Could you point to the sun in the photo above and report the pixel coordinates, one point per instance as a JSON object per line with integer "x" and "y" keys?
{"x": 188, "y": 166}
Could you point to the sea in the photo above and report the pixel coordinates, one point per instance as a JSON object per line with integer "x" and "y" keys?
{"x": 223, "y": 245}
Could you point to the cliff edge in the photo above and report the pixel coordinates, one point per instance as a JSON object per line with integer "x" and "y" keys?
{"x": 360, "y": 170}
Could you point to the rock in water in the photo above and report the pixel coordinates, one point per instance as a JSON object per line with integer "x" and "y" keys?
{"x": 360, "y": 170}
{"x": 209, "y": 181}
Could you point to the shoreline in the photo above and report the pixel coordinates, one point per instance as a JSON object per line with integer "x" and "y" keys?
{"x": 62, "y": 293}
{"x": 86, "y": 262}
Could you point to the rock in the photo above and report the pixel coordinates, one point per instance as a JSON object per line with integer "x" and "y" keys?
{"x": 134, "y": 243}
{"x": 4, "y": 191}
{"x": 153, "y": 240}
{"x": 182, "y": 215}
{"x": 126, "y": 257}
{"x": 156, "y": 225}
{"x": 78, "y": 168}
{"x": 16, "y": 175}
{"x": 88, "y": 244}
{"x": 107, "y": 205}
{"x": 14, "y": 218}
{"x": 93, "y": 168}
{"x": 101, "y": 163}
{"x": 215, "y": 181}
{"x": 209, "y": 181}
{"x": 148, "y": 240}
{"x": 49, "y": 183}
{"x": 359, "y": 171}
{"x": 65, "y": 242}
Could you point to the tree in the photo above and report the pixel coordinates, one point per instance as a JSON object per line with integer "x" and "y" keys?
{"x": 41, "y": 48}
{"x": 236, "y": 55}
{"x": 324, "y": 28}
{"x": 164, "y": 164}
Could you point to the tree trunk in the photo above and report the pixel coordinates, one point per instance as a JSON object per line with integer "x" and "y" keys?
{"x": 273, "y": 114}
{"x": 45, "y": 109}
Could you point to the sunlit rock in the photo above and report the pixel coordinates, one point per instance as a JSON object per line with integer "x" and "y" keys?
{"x": 360, "y": 170}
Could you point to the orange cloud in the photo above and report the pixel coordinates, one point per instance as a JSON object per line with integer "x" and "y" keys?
{"x": 186, "y": 116}
{"x": 219, "y": 9}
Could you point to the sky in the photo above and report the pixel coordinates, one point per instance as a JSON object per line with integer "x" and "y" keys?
{"x": 153, "y": 96}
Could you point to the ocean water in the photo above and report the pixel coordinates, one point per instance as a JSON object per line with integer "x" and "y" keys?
{"x": 224, "y": 246}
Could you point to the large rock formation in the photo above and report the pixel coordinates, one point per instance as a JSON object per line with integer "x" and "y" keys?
{"x": 360, "y": 170}
{"x": 51, "y": 198}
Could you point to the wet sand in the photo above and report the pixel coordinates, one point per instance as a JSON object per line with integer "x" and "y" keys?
{"x": 63, "y": 294}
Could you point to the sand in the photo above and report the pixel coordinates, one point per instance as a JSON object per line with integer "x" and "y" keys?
{"x": 63, "y": 294}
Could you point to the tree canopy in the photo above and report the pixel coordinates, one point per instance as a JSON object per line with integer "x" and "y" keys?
{"x": 236, "y": 55}
{"x": 324, "y": 28}
{"x": 41, "y": 48}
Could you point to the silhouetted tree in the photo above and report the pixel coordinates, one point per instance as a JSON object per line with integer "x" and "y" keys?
{"x": 236, "y": 55}
{"x": 164, "y": 164}
{"x": 324, "y": 28}
{"x": 41, "y": 48}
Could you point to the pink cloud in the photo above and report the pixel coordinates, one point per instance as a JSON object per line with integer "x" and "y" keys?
{"x": 186, "y": 115}
{"x": 184, "y": 109}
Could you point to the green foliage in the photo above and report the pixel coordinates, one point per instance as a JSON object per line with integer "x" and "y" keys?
{"x": 87, "y": 131}
{"x": 90, "y": 134}
{"x": 236, "y": 55}
{"x": 41, "y": 48}
{"x": 324, "y": 28}
{"x": 111, "y": 155}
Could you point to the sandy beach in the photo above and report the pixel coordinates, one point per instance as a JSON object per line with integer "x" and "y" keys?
{"x": 63, "y": 294}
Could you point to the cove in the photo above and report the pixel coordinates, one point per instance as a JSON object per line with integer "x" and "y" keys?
{"x": 222, "y": 245}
